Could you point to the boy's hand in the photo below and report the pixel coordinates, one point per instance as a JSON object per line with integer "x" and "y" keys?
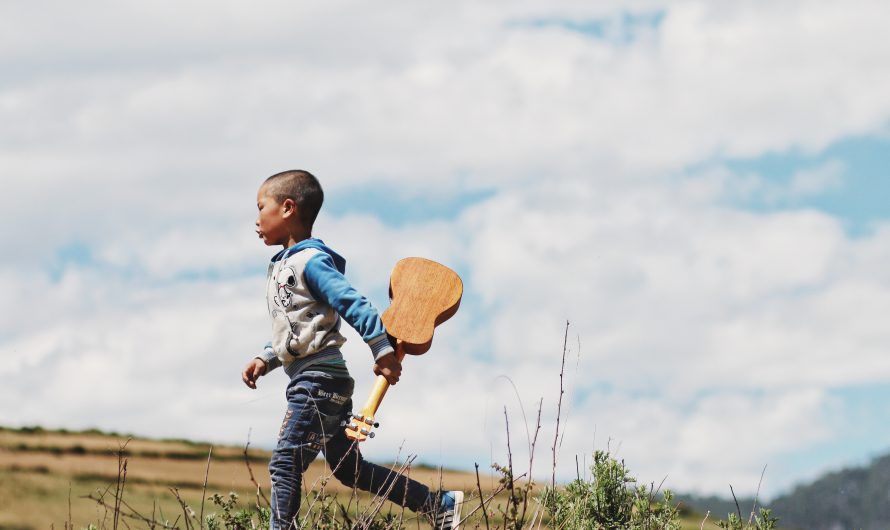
{"x": 389, "y": 367}
{"x": 254, "y": 369}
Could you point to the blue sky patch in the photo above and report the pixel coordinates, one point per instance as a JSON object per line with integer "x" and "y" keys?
{"x": 860, "y": 196}
{"x": 74, "y": 254}
{"x": 80, "y": 255}
{"x": 860, "y": 407}
{"x": 858, "y": 412}
{"x": 623, "y": 28}
{"x": 858, "y": 418}
{"x": 396, "y": 208}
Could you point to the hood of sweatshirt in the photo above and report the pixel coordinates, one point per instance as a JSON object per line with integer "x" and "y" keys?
{"x": 315, "y": 243}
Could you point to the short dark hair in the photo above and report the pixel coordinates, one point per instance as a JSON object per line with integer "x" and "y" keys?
{"x": 300, "y": 186}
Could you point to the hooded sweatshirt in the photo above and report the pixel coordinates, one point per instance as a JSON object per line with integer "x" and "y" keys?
{"x": 307, "y": 294}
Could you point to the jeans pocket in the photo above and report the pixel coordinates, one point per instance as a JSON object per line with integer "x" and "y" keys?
{"x": 330, "y": 412}
{"x": 317, "y": 405}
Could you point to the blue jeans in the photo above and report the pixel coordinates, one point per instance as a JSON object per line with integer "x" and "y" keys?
{"x": 317, "y": 404}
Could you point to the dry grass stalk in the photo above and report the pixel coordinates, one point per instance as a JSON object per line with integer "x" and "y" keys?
{"x": 562, "y": 370}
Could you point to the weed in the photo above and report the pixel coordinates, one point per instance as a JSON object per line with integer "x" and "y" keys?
{"x": 233, "y": 517}
{"x": 765, "y": 521}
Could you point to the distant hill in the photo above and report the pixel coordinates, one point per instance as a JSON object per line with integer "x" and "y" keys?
{"x": 855, "y": 498}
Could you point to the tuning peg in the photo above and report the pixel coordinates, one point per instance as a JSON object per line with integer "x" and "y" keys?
{"x": 359, "y": 417}
{"x": 376, "y": 424}
{"x": 371, "y": 435}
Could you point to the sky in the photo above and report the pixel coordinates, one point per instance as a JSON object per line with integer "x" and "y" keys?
{"x": 699, "y": 188}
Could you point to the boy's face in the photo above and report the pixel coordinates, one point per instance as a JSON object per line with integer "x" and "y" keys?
{"x": 273, "y": 218}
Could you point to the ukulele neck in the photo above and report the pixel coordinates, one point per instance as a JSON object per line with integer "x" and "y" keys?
{"x": 380, "y": 387}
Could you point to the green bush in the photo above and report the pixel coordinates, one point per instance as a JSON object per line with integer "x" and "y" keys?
{"x": 611, "y": 500}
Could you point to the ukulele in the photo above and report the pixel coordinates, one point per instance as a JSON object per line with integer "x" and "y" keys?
{"x": 423, "y": 294}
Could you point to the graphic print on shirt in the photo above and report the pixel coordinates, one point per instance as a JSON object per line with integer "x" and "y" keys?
{"x": 286, "y": 280}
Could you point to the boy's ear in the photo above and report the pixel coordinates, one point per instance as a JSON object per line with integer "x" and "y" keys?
{"x": 289, "y": 208}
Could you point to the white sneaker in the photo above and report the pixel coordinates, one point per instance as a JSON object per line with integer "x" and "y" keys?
{"x": 448, "y": 515}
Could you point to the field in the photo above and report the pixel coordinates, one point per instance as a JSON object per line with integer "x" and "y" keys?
{"x": 41, "y": 471}
{"x": 46, "y": 477}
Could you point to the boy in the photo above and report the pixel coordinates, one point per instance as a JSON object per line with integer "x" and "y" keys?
{"x": 307, "y": 295}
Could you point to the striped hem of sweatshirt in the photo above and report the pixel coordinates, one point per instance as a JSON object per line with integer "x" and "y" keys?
{"x": 328, "y": 360}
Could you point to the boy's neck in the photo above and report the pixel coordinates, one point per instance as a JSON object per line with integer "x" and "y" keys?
{"x": 295, "y": 238}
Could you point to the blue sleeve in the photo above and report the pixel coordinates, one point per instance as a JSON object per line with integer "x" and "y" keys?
{"x": 329, "y": 285}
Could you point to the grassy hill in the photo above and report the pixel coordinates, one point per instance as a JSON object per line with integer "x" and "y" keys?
{"x": 45, "y": 475}
{"x": 48, "y": 476}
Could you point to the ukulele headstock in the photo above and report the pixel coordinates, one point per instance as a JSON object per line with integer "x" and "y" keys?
{"x": 359, "y": 427}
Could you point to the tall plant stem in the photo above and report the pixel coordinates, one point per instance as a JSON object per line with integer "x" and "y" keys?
{"x": 562, "y": 370}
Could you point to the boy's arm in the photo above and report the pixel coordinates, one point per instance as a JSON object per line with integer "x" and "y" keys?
{"x": 328, "y": 284}
{"x": 253, "y": 370}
